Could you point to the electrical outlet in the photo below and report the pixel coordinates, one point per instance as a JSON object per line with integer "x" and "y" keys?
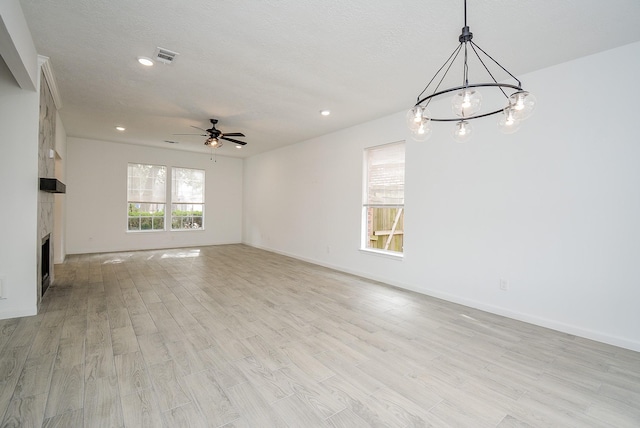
{"x": 504, "y": 284}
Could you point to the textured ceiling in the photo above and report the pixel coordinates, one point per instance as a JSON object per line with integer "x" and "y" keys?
{"x": 266, "y": 68}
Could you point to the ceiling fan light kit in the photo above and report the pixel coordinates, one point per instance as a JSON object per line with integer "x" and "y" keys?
{"x": 467, "y": 101}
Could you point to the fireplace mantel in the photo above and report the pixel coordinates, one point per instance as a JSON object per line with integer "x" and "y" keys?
{"x": 52, "y": 185}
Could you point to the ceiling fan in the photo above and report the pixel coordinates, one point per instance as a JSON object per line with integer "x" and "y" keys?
{"x": 214, "y": 136}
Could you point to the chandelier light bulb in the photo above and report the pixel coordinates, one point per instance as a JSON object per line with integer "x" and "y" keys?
{"x": 509, "y": 118}
{"x": 519, "y": 105}
{"x": 523, "y": 103}
{"x": 418, "y": 117}
{"x": 417, "y": 114}
{"x": 423, "y": 131}
{"x": 414, "y": 117}
{"x": 509, "y": 122}
{"x": 466, "y": 102}
{"x": 462, "y": 131}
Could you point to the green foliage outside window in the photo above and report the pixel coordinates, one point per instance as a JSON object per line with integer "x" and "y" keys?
{"x": 181, "y": 219}
{"x": 145, "y": 220}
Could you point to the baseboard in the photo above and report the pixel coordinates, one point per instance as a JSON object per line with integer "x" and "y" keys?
{"x": 532, "y": 319}
{"x": 520, "y": 316}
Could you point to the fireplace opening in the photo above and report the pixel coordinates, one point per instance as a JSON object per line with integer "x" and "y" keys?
{"x": 45, "y": 263}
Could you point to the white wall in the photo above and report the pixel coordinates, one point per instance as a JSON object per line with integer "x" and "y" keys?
{"x": 96, "y": 219}
{"x": 553, "y": 209}
{"x": 19, "y": 110}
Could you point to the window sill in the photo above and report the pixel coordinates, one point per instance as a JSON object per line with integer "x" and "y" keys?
{"x": 385, "y": 254}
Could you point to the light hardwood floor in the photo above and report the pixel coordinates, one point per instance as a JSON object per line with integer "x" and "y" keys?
{"x": 232, "y": 336}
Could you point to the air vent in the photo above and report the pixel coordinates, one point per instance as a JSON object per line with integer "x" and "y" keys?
{"x": 165, "y": 55}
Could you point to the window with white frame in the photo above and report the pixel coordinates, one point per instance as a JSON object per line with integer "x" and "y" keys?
{"x": 187, "y": 199}
{"x": 146, "y": 197}
{"x": 383, "y": 206}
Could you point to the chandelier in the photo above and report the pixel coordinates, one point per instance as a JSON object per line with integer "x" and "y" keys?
{"x": 467, "y": 102}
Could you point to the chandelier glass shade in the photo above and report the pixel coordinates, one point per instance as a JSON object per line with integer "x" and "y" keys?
{"x": 467, "y": 100}
{"x": 462, "y": 131}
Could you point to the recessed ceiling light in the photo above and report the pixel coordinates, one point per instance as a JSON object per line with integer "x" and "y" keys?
{"x": 148, "y": 62}
{"x": 120, "y": 128}
{"x": 238, "y": 146}
{"x": 325, "y": 112}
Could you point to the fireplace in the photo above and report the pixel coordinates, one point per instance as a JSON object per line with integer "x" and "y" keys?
{"x": 45, "y": 263}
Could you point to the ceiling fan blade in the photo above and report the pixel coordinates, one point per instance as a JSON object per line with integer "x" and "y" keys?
{"x": 201, "y": 135}
{"x": 233, "y": 134}
{"x": 204, "y": 130}
{"x": 233, "y": 141}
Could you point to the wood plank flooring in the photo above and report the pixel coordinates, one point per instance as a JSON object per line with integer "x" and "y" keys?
{"x": 232, "y": 336}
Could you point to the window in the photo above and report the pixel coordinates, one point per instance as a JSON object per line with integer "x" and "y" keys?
{"x": 146, "y": 197}
{"x": 383, "y": 207}
{"x": 187, "y": 198}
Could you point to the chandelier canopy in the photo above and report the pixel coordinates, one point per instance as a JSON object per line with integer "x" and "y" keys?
{"x": 467, "y": 102}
